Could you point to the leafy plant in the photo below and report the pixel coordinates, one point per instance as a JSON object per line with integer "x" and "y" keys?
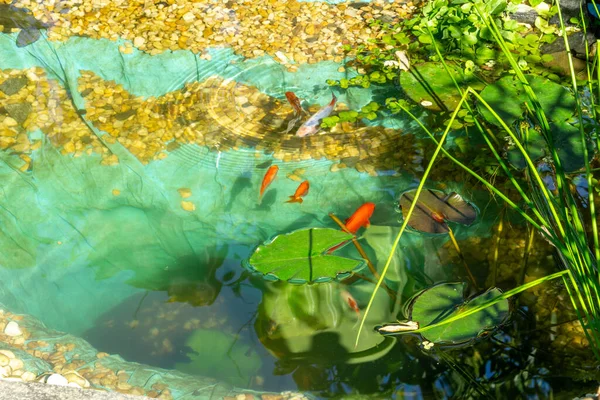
{"x": 446, "y": 300}
{"x": 302, "y": 257}
{"x": 553, "y": 213}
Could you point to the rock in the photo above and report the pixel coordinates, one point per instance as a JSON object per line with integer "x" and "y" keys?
{"x": 57, "y": 379}
{"x": 188, "y": 206}
{"x": 184, "y": 192}
{"x": 524, "y": 14}
{"x": 12, "y": 329}
{"x": 576, "y": 43}
{"x": 28, "y": 376}
{"x": 4, "y": 360}
{"x": 139, "y": 41}
{"x": 189, "y": 17}
{"x": 16, "y": 364}
{"x": 10, "y": 122}
{"x": 5, "y": 371}
{"x": 13, "y": 85}
{"x": 8, "y": 353}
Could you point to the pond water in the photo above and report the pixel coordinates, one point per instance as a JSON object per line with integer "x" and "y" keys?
{"x": 135, "y": 137}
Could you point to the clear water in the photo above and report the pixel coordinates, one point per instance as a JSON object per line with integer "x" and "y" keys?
{"x": 130, "y": 201}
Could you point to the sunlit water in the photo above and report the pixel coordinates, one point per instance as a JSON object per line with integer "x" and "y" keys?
{"x": 130, "y": 203}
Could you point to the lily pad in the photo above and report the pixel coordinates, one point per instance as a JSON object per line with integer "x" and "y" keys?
{"x": 430, "y": 83}
{"x": 446, "y": 300}
{"x": 434, "y": 208}
{"x": 301, "y": 257}
{"x": 507, "y": 98}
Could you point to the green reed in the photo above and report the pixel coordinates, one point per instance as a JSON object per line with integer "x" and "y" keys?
{"x": 555, "y": 216}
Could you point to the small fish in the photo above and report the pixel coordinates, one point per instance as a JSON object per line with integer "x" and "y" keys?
{"x": 293, "y": 122}
{"x": 265, "y": 164}
{"x": 313, "y": 124}
{"x": 269, "y": 176}
{"x": 300, "y": 192}
{"x": 399, "y": 327}
{"x": 360, "y": 217}
{"x": 437, "y": 217}
{"x": 298, "y": 110}
{"x": 348, "y": 299}
{"x": 13, "y": 17}
{"x": 295, "y": 102}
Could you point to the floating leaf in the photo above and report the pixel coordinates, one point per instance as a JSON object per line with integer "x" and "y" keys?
{"x": 446, "y": 300}
{"x": 507, "y": 97}
{"x": 434, "y": 208}
{"x": 301, "y": 257}
{"x": 431, "y": 82}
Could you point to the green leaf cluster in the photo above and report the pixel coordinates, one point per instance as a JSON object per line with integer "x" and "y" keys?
{"x": 369, "y": 112}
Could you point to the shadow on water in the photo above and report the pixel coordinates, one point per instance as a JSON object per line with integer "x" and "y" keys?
{"x": 241, "y": 183}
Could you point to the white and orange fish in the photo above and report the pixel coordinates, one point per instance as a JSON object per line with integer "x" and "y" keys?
{"x": 313, "y": 124}
{"x": 300, "y": 192}
{"x": 268, "y": 178}
{"x": 350, "y": 300}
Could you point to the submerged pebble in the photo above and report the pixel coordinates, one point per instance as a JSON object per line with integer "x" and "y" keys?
{"x": 57, "y": 379}
{"x": 12, "y": 329}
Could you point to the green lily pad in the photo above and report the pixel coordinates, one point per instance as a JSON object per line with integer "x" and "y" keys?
{"x": 566, "y": 140}
{"x": 446, "y": 300}
{"x": 429, "y": 82}
{"x": 300, "y": 257}
{"x": 508, "y": 98}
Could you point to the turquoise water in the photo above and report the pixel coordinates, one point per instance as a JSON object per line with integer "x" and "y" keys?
{"x": 115, "y": 253}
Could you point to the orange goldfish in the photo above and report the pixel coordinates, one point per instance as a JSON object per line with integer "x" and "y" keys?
{"x": 269, "y": 177}
{"x": 360, "y": 217}
{"x": 300, "y": 192}
{"x": 348, "y": 299}
{"x": 295, "y": 102}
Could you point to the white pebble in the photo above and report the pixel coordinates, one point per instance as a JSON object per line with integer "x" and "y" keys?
{"x": 5, "y": 371}
{"x": 8, "y": 353}
{"x": 57, "y": 379}
{"x": 16, "y": 364}
{"x": 189, "y": 17}
{"x": 12, "y": 329}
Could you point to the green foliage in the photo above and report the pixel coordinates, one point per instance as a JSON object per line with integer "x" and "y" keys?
{"x": 429, "y": 82}
{"x": 458, "y": 29}
{"x": 301, "y": 257}
{"x": 510, "y": 101}
{"x": 369, "y": 112}
{"x": 446, "y": 301}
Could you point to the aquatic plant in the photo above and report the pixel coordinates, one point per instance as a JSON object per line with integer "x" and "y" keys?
{"x": 444, "y": 301}
{"x": 302, "y": 257}
{"x": 459, "y": 30}
{"x": 554, "y": 214}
